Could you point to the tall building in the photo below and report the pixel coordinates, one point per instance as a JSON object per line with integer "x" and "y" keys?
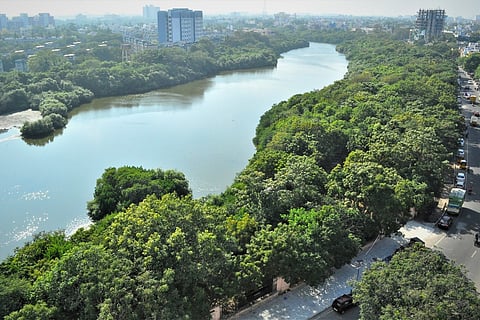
{"x": 179, "y": 25}
{"x": 430, "y": 23}
{"x": 3, "y": 21}
{"x": 150, "y": 12}
{"x": 44, "y": 20}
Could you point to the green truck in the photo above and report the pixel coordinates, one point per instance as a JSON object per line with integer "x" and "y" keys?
{"x": 455, "y": 201}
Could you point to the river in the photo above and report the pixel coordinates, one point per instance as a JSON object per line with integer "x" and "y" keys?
{"x": 203, "y": 129}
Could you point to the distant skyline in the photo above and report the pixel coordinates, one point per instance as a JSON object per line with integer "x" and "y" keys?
{"x": 391, "y": 8}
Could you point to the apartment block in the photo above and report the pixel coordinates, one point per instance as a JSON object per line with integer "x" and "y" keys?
{"x": 179, "y": 25}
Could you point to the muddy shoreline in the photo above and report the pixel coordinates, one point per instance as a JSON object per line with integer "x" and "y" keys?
{"x": 17, "y": 119}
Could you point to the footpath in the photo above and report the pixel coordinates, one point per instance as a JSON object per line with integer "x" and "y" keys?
{"x": 304, "y": 302}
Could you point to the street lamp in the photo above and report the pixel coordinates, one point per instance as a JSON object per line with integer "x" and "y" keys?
{"x": 357, "y": 264}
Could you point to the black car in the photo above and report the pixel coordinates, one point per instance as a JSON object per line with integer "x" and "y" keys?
{"x": 343, "y": 303}
{"x": 445, "y": 222}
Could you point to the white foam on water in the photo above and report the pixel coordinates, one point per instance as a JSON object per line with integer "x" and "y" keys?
{"x": 77, "y": 223}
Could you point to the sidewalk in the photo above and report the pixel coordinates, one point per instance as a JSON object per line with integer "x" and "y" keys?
{"x": 304, "y": 302}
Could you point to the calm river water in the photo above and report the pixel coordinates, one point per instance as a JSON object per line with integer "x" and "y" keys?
{"x": 203, "y": 129}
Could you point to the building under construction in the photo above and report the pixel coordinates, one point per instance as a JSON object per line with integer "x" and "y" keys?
{"x": 430, "y": 24}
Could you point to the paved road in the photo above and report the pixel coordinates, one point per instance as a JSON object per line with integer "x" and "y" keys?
{"x": 457, "y": 243}
{"x": 329, "y": 314}
{"x": 304, "y": 302}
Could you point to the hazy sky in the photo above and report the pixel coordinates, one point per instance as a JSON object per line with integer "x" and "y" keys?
{"x": 393, "y": 8}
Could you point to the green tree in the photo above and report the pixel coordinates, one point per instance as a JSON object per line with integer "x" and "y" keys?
{"x": 44, "y": 61}
{"x": 14, "y": 293}
{"x": 471, "y": 62}
{"x": 38, "y": 129}
{"x": 418, "y": 283}
{"x": 182, "y": 244}
{"x": 372, "y": 189}
{"x": 52, "y": 105}
{"x": 414, "y": 153}
{"x": 118, "y": 188}
{"x": 304, "y": 248}
{"x": 79, "y": 282}
{"x": 38, "y": 311}
{"x": 14, "y": 100}
{"x": 36, "y": 256}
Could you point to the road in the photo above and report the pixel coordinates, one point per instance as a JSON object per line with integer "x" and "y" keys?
{"x": 329, "y": 314}
{"x": 457, "y": 243}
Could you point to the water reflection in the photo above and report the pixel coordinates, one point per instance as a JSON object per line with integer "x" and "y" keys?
{"x": 43, "y": 141}
{"x": 181, "y": 96}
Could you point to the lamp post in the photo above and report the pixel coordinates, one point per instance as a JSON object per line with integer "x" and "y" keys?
{"x": 357, "y": 264}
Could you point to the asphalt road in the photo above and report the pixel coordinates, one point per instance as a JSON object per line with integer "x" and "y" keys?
{"x": 458, "y": 242}
{"x": 352, "y": 314}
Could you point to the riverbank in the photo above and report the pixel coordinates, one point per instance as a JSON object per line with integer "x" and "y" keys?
{"x": 17, "y": 119}
{"x": 203, "y": 129}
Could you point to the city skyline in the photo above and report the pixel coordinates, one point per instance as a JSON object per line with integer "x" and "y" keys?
{"x": 390, "y": 8}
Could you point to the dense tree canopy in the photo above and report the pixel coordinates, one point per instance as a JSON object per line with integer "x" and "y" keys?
{"x": 418, "y": 283}
{"x": 333, "y": 169}
{"x": 471, "y": 62}
{"x": 119, "y": 188}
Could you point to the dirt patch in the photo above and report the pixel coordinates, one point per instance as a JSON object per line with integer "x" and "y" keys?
{"x": 17, "y": 119}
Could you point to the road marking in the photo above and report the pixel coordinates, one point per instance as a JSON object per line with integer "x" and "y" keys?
{"x": 474, "y": 253}
{"x": 436, "y": 243}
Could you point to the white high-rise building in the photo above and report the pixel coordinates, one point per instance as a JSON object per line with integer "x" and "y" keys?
{"x": 150, "y": 12}
{"x": 179, "y": 25}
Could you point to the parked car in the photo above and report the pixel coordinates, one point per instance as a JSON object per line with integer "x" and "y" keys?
{"x": 460, "y": 184}
{"x": 343, "y": 303}
{"x": 461, "y": 153}
{"x": 463, "y": 164}
{"x": 460, "y": 180}
{"x": 445, "y": 222}
{"x": 461, "y": 142}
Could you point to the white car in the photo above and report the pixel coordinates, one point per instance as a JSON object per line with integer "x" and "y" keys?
{"x": 460, "y": 184}
{"x": 461, "y": 153}
{"x": 461, "y": 176}
{"x": 460, "y": 180}
{"x": 461, "y": 142}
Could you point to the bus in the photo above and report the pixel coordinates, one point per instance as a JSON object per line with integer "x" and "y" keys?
{"x": 455, "y": 201}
